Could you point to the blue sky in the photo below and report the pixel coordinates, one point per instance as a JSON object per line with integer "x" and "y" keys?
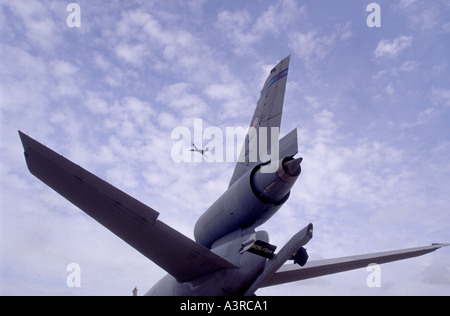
{"x": 372, "y": 107}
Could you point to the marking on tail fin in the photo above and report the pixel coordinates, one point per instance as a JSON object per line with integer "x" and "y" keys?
{"x": 275, "y": 79}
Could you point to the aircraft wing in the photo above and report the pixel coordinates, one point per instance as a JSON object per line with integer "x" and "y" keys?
{"x": 131, "y": 220}
{"x": 292, "y": 272}
{"x": 267, "y": 114}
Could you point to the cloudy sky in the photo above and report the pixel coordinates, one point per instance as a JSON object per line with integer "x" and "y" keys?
{"x": 372, "y": 107}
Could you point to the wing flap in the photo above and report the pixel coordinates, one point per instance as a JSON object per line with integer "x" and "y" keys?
{"x": 292, "y": 272}
{"x": 128, "y": 218}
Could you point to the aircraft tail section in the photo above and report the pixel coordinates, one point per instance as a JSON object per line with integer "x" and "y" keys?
{"x": 265, "y": 121}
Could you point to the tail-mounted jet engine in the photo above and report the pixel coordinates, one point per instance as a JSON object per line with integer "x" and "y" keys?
{"x": 249, "y": 202}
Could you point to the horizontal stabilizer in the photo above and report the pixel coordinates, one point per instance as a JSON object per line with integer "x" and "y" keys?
{"x": 131, "y": 220}
{"x": 289, "y": 145}
{"x": 292, "y": 272}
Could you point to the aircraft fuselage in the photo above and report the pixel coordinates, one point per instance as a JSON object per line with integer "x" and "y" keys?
{"x": 228, "y": 223}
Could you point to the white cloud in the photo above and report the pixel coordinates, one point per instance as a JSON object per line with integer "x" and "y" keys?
{"x": 180, "y": 97}
{"x": 95, "y": 102}
{"x": 231, "y": 98}
{"x": 311, "y": 47}
{"x": 63, "y": 68}
{"x": 133, "y": 54}
{"x": 222, "y": 91}
{"x": 34, "y": 79}
{"x": 406, "y": 3}
{"x": 446, "y": 27}
{"x": 167, "y": 120}
{"x": 409, "y": 66}
{"x": 390, "y": 49}
{"x": 313, "y": 102}
{"x": 144, "y": 37}
{"x": 66, "y": 83}
{"x": 128, "y": 119}
{"x": 421, "y": 15}
{"x": 422, "y": 118}
{"x": 390, "y": 89}
{"x": 40, "y": 26}
{"x": 426, "y": 19}
{"x": 441, "y": 96}
{"x": 244, "y": 31}
{"x": 235, "y": 26}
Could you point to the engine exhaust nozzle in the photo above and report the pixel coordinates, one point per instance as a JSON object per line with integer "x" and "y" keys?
{"x": 273, "y": 187}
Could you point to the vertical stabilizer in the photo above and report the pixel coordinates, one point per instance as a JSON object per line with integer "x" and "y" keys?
{"x": 265, "y": 123}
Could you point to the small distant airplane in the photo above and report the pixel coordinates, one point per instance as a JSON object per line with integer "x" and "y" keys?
{"x": 229, "y": 255}
{"x": 201, "y": 151}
